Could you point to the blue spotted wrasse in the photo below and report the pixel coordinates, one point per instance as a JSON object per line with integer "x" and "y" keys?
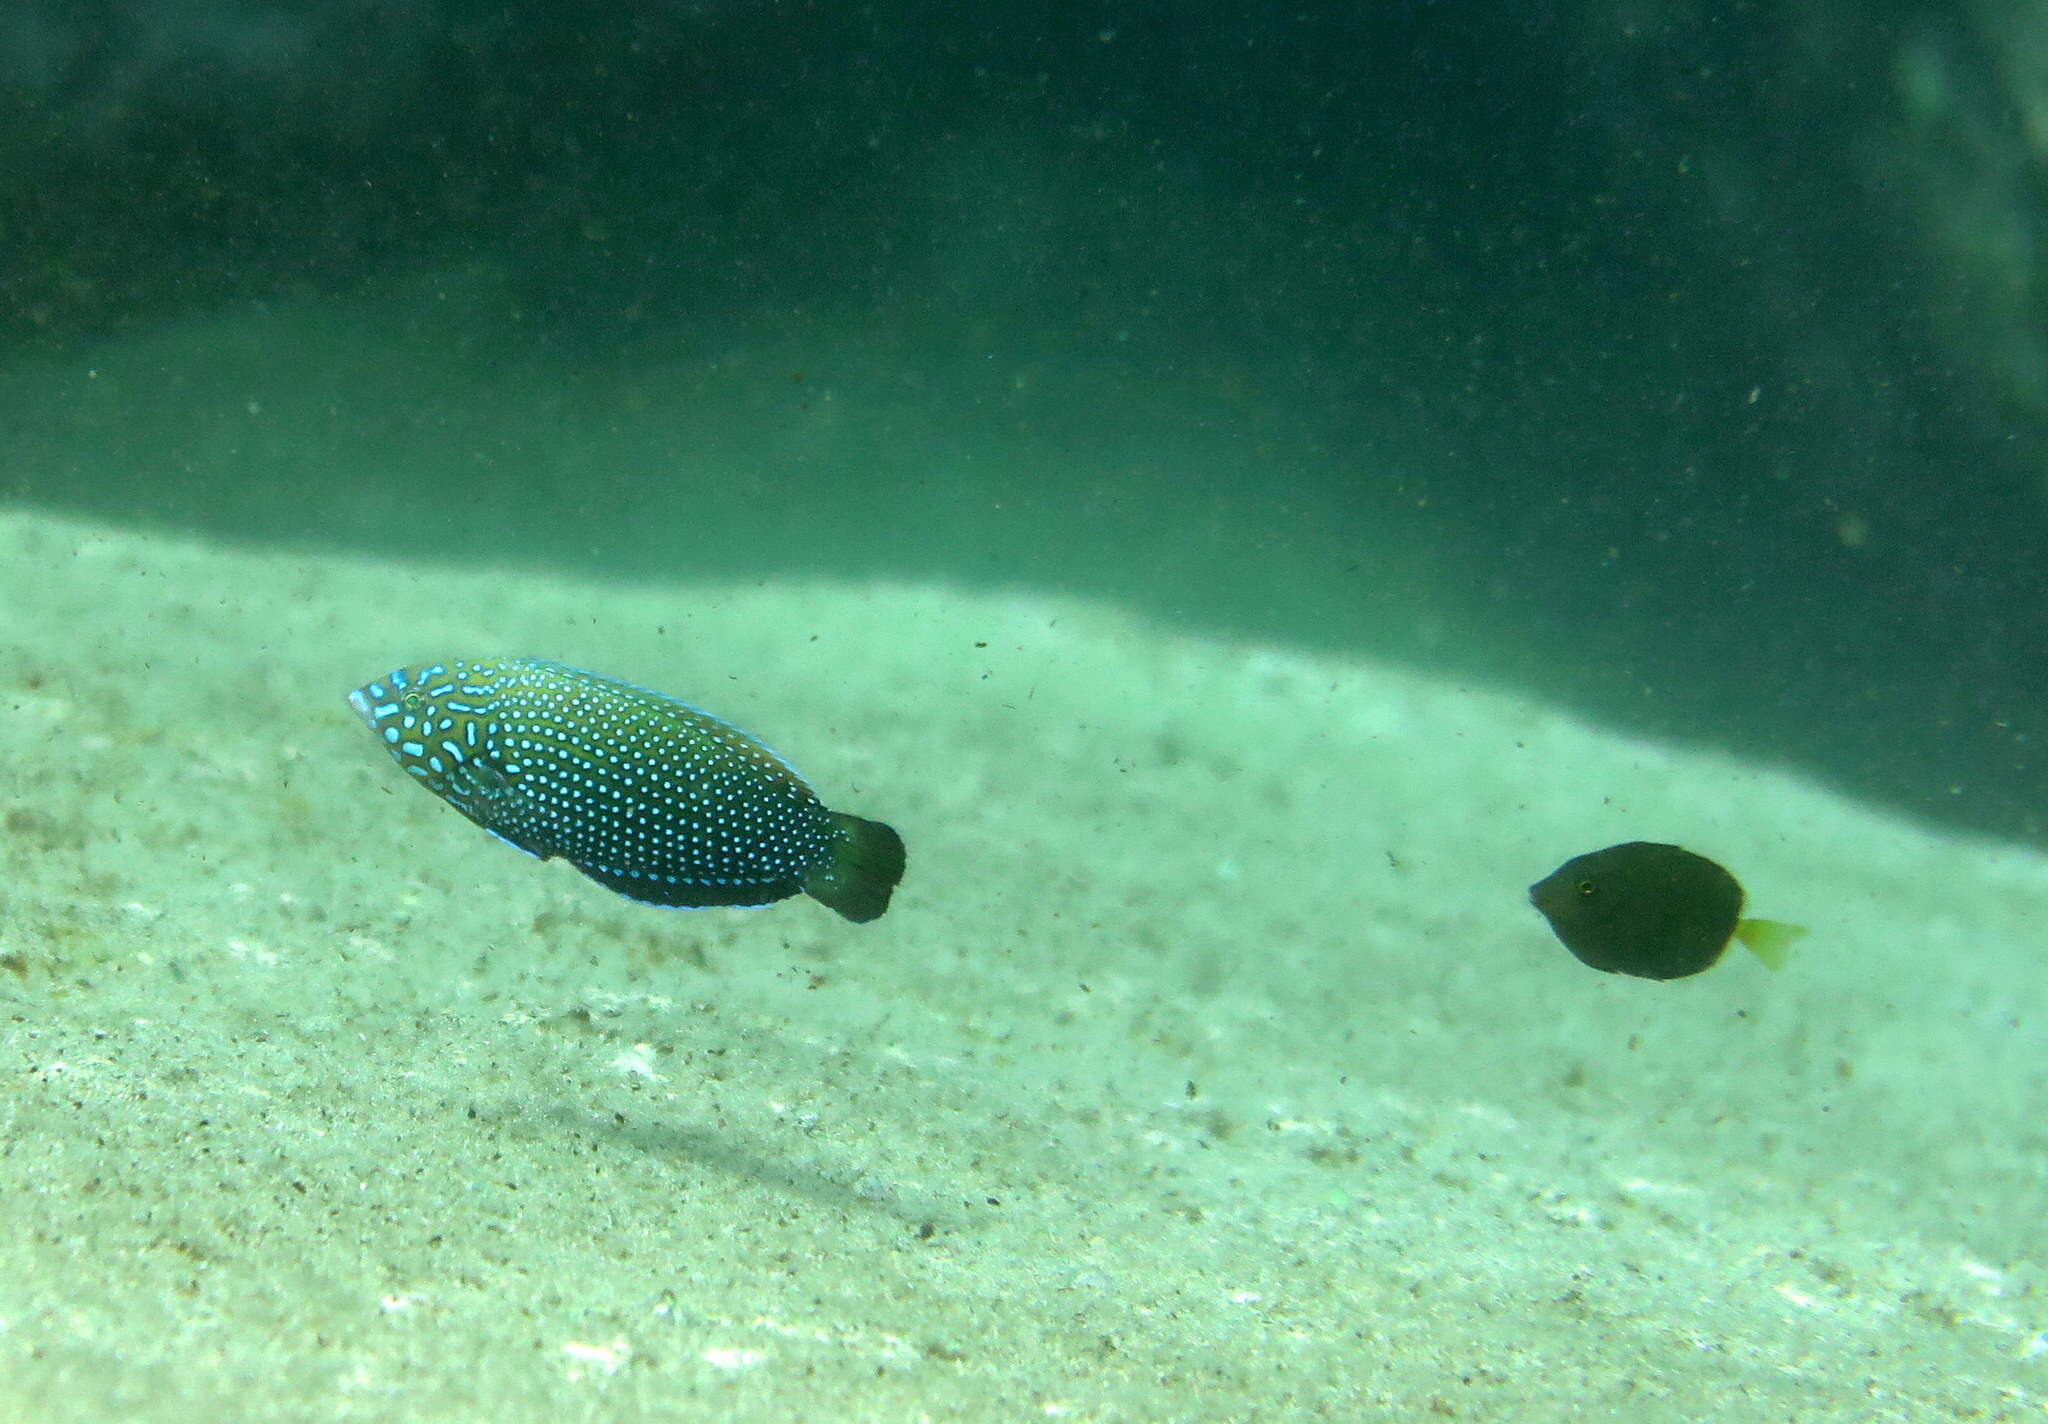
{"x": 646, "y": 795}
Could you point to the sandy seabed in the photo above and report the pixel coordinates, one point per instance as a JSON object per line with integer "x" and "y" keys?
{"x": 1209, "y": 1066}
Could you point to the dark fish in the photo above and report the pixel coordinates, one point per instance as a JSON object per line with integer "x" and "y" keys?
{"x": 1654, "y": 911}
{"x": 644, "y": 794}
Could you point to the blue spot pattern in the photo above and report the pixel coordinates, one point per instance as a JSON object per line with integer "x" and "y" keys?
{"x": 647, "y": 795}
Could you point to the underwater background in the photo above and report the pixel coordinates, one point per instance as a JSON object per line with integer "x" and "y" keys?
{"x": 1243, "y": 491}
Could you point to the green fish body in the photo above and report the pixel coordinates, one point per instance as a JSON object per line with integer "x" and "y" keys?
{"x": 1653, "y": 911}
{"x": 646, "y": 795}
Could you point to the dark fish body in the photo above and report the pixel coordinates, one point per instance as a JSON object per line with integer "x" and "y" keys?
{"x": 1654, "y": 911}
{"x": 646, "y": 795}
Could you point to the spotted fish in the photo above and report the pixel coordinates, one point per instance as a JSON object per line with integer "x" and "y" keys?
{"x": 644, "y": 794}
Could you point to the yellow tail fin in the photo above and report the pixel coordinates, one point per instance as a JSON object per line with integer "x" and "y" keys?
{"x": 1769, "y": 940}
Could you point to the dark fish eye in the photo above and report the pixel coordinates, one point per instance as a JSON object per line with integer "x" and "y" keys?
{"x": 410, "y": 702}
{"x": 1587, "y": 887}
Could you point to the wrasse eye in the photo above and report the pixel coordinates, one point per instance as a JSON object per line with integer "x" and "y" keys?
{"x": 1587, "y": 887}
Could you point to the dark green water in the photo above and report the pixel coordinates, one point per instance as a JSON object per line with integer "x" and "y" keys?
{"x": 1610, "y": 356}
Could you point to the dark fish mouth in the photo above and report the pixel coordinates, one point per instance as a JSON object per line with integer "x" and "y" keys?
{"x": 362, "y": 706}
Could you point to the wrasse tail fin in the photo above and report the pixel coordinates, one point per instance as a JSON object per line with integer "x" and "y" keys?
{"x": 866, "y": 863}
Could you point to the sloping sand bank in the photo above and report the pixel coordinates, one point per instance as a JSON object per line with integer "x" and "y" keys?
{"x": 1210, "y": 1065}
